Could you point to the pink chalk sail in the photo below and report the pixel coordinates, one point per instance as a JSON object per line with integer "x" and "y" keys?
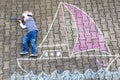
{"x": 89, "y": 37}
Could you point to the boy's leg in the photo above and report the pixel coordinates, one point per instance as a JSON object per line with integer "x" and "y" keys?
{"x": 25, "y": 43}
{"x": 33, "y": 42}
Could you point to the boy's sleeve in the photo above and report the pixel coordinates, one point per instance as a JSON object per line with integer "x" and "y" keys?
{"x": 23, "y": 26}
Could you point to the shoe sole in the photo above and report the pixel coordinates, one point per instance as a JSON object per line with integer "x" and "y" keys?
{"x": 33, "y": 55}
{"x": 23, "y": 53}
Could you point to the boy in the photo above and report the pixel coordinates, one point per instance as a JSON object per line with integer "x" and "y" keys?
{"x": 31, "y": 35}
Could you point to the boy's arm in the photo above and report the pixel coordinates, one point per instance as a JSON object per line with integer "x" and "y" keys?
{"x": 21, "y": 24}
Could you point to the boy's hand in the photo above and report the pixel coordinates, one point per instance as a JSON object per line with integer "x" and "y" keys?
{"x": 19, "y": 21}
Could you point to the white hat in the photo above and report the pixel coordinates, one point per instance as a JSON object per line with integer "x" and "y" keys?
{"x": 25, "y": 16}
{"x": 26, "y": 13}
{"x": 30, "y": 13}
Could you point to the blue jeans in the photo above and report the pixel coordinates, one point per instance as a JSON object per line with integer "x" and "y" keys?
{"x": 30, "y": 38}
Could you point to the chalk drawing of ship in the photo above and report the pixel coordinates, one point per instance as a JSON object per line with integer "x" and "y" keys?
{"x": 87, "y": 35}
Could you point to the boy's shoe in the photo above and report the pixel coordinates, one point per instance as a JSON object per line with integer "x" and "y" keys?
{"x": 33, "y": 55}
{"x": 23, "y": 53}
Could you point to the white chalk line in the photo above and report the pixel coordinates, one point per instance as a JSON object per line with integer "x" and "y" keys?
{"x": 75, "y": 26}
{"x": 21, "y": 66}
{"x": 50, "y": 25}
{"x": 49, "y": 51}
{"x": 112, "y": 62}
{"x": 32, "y": 59}
{"x": 54, "y": 45}
{"x": 66, "y": 34}
{"x": 69, "y": 57}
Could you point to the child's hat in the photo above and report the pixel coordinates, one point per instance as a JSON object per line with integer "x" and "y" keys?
{"x": 24, "y": 14}
{"x": 30, "y": 14}
{"x": 27, "y": 13}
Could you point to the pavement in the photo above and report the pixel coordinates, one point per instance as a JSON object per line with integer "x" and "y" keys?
{"x": 105, "y": 13}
